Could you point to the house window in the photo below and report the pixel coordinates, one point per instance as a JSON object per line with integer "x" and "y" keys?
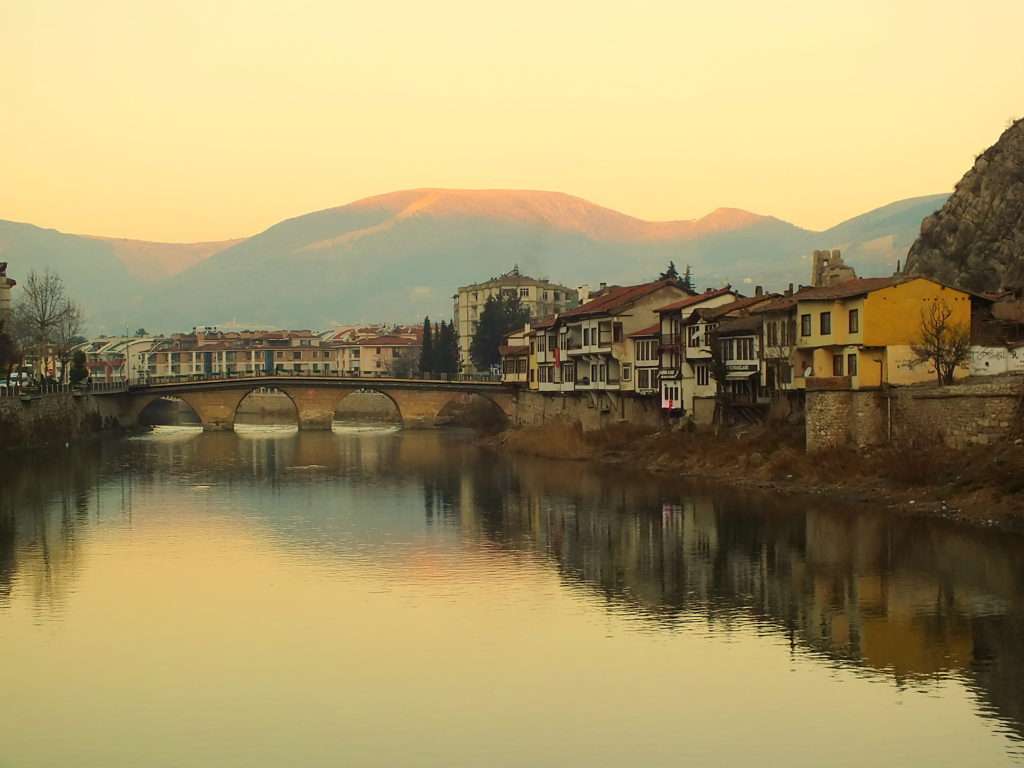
{"x": 524, "y": 292}
{"x": 646, "y": 350}
{"x": 533, "y": 347}
{"x": 786, "y": 373}
{"x": 703, "y": 375}
{"x": 296, "y": 355}
{"x": 586, "y": 337}
{"x": 627, "y": 371}
{"x": 593, "y": 372}
{"x": 773, "y": 334}
{"x": 643, "y": 378}
{"x": 617, "y": 332}
{"x": 854, "y": 321}
{"x": 826, "y": 323}
{"x": 693, "y": 336}
{"x": 805, "y": 325}
{"x": 851, "y": 364}
{"x": 569, "y": 373}
{"x": 601, "y": 372}
{"x": 837, "y": 365}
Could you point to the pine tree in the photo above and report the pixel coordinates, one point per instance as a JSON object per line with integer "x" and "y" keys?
{"x": 427, "y": 348}
{"x": 446, "y": 350}
{"x": 687, "y": 281}
{"x": 670, "y": 273}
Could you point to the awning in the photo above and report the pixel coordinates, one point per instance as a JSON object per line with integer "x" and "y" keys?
{"x": 739, "y": 375}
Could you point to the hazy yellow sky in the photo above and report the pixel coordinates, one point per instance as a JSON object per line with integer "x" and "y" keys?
{"x": 207, "y": 120}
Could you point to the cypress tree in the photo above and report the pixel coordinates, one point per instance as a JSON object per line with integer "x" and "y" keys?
{"x": 427, "y": 348}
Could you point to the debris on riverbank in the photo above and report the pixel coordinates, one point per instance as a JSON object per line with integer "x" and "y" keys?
{"x": 983, "y": 485}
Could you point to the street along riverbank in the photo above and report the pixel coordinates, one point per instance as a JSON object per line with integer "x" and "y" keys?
{"x": 982, "y": 485}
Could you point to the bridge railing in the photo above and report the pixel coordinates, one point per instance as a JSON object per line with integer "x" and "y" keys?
{"x": 46, "y": 388}
{"x": 196, "y": 378}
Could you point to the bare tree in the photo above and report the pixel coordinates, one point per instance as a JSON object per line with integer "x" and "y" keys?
{"x": 41, "y": 311}
{"x": 943, "y": 342}
{"x": 66, "y": 335}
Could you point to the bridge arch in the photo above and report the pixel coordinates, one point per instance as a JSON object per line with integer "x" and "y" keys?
{"x": 266, "y": 406}
{"x": 366, "y": 404}
{"x": 167, "y": 410}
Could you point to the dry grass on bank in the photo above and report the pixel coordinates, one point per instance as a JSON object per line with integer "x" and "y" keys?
{"x": 988, "y": 477}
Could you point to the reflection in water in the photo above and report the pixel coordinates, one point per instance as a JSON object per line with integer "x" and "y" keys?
{"x": 417, "y": 554}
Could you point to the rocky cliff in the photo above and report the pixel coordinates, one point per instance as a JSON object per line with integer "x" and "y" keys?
{"x": 976, "y": 240}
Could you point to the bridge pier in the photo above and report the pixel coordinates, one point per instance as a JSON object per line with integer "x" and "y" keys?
{"x": 216, "y": 410}
{"x": 314, "y": 406}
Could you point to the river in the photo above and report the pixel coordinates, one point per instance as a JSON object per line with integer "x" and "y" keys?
{"x": 387, "y": 598}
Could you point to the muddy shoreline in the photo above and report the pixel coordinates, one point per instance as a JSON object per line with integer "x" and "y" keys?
{"x": 980, "y": 487}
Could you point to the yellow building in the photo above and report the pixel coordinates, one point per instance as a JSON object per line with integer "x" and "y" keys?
{"x": 860, "y": 332}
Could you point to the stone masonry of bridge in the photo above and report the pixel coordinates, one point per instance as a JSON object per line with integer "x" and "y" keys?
{"x": 315, "y": 402}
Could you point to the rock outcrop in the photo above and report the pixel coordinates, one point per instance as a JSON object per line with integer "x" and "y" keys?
{"x": 976, "y": 240}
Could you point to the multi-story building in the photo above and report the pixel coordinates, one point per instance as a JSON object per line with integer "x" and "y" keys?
{"x": 673, "y": 345}
{"x": 117, "y": 358}
{"x": 6, "y": 284}
{"x": 861, "y": 332}
{"x": 698, "y": 388}
{"x": 593, "y": 338}
{"x": 778, "y": 342}
{"x": 539, "y": 296}
{"x": 208, "y": 350}
{"x": 515, "y": 357}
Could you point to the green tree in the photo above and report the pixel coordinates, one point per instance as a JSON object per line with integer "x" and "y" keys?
{"x": 78, "y": 370}
{"x": 446, "y": 350}
{"x": 427, "y": 348}
{"x": 670, "y": 273}
{"x": 499, "y": 318}
{"x": 687, "y": 281}
{"x": 140, "y": 332}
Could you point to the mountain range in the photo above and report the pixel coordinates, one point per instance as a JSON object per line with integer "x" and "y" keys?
{"x": 400, "y": 256}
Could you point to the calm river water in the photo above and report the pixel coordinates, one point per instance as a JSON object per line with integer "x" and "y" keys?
{"x": 382, "y": 598}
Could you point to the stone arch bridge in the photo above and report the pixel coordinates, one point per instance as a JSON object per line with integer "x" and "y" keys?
{"x": 215, "y": 401}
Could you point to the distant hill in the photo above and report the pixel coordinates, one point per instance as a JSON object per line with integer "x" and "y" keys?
{"x": 401, "y": 255}
{"x": 976, "y": 240}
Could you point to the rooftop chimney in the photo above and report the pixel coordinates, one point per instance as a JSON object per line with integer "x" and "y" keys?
{"x": 758, "y": 290}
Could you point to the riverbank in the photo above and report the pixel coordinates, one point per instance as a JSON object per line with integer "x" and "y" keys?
{"x": 983, "y": 485}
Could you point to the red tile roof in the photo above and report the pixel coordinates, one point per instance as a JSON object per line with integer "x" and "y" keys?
{"x": 652, "y": 330}
{"x": 849, "y": 288}
{"x": 689, "y": 301}
{"x": 615, "y": 299}
{"x": 385, "y": 341}
{"x": 546, "y": 322}
{"x": 745, "y": 303}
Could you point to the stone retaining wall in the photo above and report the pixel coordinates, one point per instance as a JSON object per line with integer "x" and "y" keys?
{"x": 51, "y": 420}
{"x": 957, "y": 416}
{"x": 593, "y": 412}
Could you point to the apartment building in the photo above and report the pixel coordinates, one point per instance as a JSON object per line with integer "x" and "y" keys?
{"x": 117, "y": 358}
{"x": 539, "y": 296}
{"x": 208, "y": 351}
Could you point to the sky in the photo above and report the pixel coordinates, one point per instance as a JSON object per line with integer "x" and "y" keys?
{"x": 190, "y": 121}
